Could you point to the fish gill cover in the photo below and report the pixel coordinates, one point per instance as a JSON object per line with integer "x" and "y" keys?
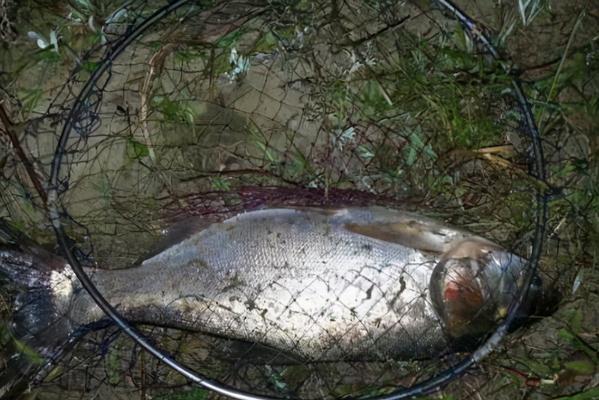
{"x": 149, "y": 120}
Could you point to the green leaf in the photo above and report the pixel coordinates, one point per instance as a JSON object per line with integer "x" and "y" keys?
{"x": 173, "y": 110}
{"x": 54, "y": 373}
{"x": 373, "y": 99}
{"x": 537, "y": 367}
{"x": 575, "y": 321}
{"x": 29, "y": 353}
{"x": 31, "y": 99}
{"x": 276, "y": 379}
{"x": 416, "y": 147}
{"x": 575, "y": 341}
{"x": 365, "y": 153}
{"x": 184, "y": 56}
{"x": 219, "y": 183}
{"x": 461, "y": 39}
{"x": 136, "y": 150}
{"x": 230, "y": 39}
{"x": 583, "y": 367}
{"x": 113, "y": 369}
{"x": 266, "y": 43}
{"x": 89, "y": 66}
{"x": 85, "y": 4}
{"x": 48, "y": 55}
{"x": 260, "y": 141}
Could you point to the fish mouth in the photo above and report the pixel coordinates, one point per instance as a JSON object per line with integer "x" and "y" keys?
{"x": 473, "y": 287}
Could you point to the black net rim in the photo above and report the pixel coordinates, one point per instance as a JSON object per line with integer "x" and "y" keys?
{"x": 57, "y": 215}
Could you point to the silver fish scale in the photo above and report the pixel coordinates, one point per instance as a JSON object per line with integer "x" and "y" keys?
{"x": 297, "y": 280}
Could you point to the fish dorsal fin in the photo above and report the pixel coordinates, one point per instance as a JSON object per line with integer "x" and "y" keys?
{"x": 176, "y": 233}
{"x": 423, "y": 235}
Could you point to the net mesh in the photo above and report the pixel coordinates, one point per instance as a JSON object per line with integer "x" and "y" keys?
{"x": 276, "y": 100}
{"x": 225, "y": 107}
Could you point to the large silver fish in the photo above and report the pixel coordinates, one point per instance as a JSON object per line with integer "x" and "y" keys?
{"x": 320, "y": 284}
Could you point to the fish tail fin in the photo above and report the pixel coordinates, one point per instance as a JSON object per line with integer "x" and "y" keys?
{"x": 35, "y": 329}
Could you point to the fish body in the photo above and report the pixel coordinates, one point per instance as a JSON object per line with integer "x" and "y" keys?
{"x": 298, "y": 280}
{"x": 319, "y": 284}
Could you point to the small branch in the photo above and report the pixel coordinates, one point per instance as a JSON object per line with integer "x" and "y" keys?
{"x": 237, "y": 172}
{"x": 371, "y": 36}
{"x": 29, "y": 167}
{"x": 506, "y": 149}
{"x": 489, "y": 155}
{"x": 505, "y": 164}
{"x": 156, "y": 64}
{"x": 529, "y": 379}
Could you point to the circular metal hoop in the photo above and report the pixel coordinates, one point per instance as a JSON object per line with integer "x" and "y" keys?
{"x": 56, "y": 216}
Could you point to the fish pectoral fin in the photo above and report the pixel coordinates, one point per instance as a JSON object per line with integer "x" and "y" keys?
{"x": 409, "y": 233}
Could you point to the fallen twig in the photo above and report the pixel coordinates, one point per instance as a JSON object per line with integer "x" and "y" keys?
{"x": 20, "y": 153}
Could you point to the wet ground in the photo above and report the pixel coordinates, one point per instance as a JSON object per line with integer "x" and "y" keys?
{"x": 195, "y": 108}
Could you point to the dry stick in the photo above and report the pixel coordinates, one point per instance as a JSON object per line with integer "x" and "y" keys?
{"x": 506, "y": 149}
{"x": 505, "y": 164}
{"x": 156, "y": 63}
{"x": 142, "y": 373}
{"x": 8, "y": 125}
{"x": 488, "y": 154}
{"x": 237, "y": 172}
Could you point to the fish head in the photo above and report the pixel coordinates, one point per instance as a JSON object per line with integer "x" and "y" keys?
{"x": 473, "y": 286}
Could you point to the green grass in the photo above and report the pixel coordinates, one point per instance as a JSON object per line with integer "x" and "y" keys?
{"x": 405, "y": 121}
{"x": 193, "y": 394}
